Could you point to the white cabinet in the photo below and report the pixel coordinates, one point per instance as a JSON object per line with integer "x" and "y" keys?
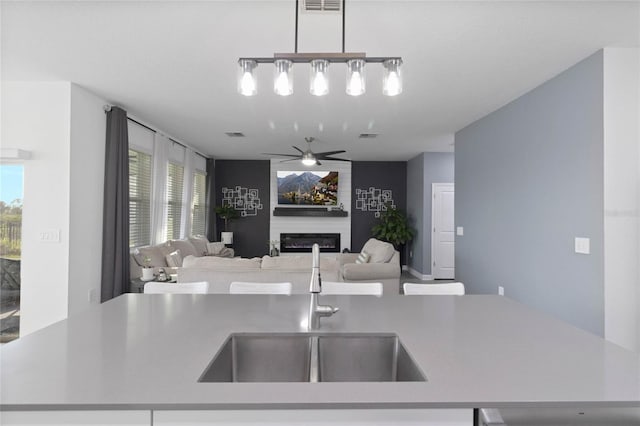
{"x": 370, "y": 417}
{"x": 75, "y": 418}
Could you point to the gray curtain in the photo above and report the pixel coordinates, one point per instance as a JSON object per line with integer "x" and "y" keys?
{"x": 115, "y": 228}
{"x": 211, "y": 201}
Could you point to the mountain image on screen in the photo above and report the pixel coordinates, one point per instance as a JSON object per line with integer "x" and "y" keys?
{"x": 308, "y": 188}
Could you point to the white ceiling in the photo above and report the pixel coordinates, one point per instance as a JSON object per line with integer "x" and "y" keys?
{"x": 173, "y": 64}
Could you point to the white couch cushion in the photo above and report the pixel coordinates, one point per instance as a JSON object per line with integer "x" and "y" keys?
{"x": 297, "y": 263}
{"x": 185, "y": 246}
{"x": 156, "y": 255}
{"x": 215, "y": 248}
{"x": 174, "y": 259}
{"x": 380, "y": 251}
{"x": 200, "y": 243}
{"x": 222, "y": 263}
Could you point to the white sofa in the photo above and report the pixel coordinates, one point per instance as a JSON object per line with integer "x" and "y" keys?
{"x": 164, "y": 255}
{"x": 220, "y": 272}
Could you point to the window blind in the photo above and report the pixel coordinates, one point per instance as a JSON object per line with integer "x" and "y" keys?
{"x": 198, "y": 203}
{"x": 139, "y": 198}
{"x": 175, "y": 180}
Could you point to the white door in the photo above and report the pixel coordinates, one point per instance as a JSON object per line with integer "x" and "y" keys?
{"x": 443, "y": 237}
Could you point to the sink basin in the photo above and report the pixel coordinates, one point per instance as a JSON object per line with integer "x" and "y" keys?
{"x": 305, "y": 357}
{"x": 261, "y": 358}
{"x": 365, "y": 358}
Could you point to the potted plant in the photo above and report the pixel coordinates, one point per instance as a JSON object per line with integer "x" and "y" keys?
{"x": 227, "y": 213}
{"x": 393, "y": 227}
{"x": 147, "y": 269}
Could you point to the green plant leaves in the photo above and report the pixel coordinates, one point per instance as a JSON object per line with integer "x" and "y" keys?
{"x": 393, "y": 227}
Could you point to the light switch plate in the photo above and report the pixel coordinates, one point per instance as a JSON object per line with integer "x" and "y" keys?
{"x": 49, "y": 236}
{"x": 459, "y": 230}
{"x": 583, "y": 245}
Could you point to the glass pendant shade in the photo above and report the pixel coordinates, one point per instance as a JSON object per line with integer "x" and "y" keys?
{"x": 355, "y": 77}
{"x": 283, "y": 79}
{"x": 247, "y": 80}
{"x": 392, "y": 80}
{"x": 318, "y": 81}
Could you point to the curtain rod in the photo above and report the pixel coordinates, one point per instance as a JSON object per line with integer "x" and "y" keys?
{"x": 107, "y": 108}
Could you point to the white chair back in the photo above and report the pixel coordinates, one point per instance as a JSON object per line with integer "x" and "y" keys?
{"x": 154, "y": 287}
{"x": 358, "y": 289}
{"x": 456, "y": 289}
{"x": 238, "y": 287}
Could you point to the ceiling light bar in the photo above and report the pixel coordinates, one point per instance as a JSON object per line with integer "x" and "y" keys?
{"x": 319, "y": 84}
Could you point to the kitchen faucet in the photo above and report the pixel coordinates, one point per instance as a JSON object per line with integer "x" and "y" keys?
{"x": 317, "y": 311}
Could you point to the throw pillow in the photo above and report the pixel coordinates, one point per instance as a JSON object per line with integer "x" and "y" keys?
{"x": 185, "y": 246}
{"x": 154, "y": 253}
{"x": 174, "y": 259}
{"x": 214, "y": 249}
{"x": 363, "y": 257}
{"x": 380, "y": 251}
{"x": 200, "y": 243}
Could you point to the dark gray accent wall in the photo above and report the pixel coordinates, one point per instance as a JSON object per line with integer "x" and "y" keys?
{"x": 529, "y": 178}
{"x": 250, "y": 233}
{"x": 378, "y": 174}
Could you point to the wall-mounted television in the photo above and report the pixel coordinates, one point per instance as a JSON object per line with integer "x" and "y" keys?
{"x": 300, "y": 188}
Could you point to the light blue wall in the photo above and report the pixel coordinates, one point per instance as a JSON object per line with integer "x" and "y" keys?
{"x": 415, "y": 206}
{"x": 529, "y": 178}
{"x": 422, "y": 171}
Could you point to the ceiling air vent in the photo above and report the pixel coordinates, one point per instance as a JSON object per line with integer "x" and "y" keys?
{"x": 322, "y": 5}
{"x": 368, "y": 135}
{"x": 234, "y": 134}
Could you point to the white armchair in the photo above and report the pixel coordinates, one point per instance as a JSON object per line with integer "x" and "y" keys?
{"x": 384, "y": 268}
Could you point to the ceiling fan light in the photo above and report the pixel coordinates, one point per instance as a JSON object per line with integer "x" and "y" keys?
{"x": 355, "y": 77}
{"x": 392, "y": 80}
{"x": 283, "y": 79}
{"x": 308, "y": 159}
{"x": 319, "y": 83}
{"x": 247, "y": 80}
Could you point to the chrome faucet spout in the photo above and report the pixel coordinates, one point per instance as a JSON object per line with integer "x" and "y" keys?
{"x": 315, "y": 286}
{"x": 317, "y": 311}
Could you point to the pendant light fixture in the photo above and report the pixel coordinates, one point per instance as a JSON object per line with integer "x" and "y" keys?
{"x": 319, "y": 62}
{"x": 319, "y": 83}
{"x": 392, "y": 80}
{"x": 283, "y": 80}
{"x": 247, "y": 80}
{"x": 355, "y": 77}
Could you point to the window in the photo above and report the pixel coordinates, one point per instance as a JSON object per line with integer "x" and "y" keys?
{"x": 198, "y": 204}
{"x": 175, "y": 179}
{"x": 11, "y": 178}
{"x": 139, "y": 198}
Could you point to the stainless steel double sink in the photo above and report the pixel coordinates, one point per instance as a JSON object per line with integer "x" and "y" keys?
{"x": 312, "y": 357}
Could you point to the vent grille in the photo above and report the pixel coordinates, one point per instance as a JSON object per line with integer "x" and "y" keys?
{"x": 234, "y": 134}
{"x": 322, "y": 5}
{"x": 368, "y": 135}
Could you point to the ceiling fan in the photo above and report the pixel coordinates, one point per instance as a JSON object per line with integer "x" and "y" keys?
{"x": 308, "y": 157}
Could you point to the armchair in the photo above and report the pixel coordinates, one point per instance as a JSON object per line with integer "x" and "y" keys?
{"x": 388, "y": 273}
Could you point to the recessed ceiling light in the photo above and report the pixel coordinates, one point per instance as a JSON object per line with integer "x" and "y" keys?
{"x": 234, "y": 134}
{"x": 368, "y": 135}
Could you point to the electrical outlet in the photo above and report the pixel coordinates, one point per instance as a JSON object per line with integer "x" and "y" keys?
{"x": 411, "y": 253}
{"x": 500, "y": 290}
{"x": 91, "y": 296}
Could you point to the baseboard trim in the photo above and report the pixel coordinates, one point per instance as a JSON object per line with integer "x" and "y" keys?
{"x": 419, "y": 275}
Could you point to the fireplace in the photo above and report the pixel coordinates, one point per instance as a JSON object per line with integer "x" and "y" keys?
{"x": 302, "y": 243}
